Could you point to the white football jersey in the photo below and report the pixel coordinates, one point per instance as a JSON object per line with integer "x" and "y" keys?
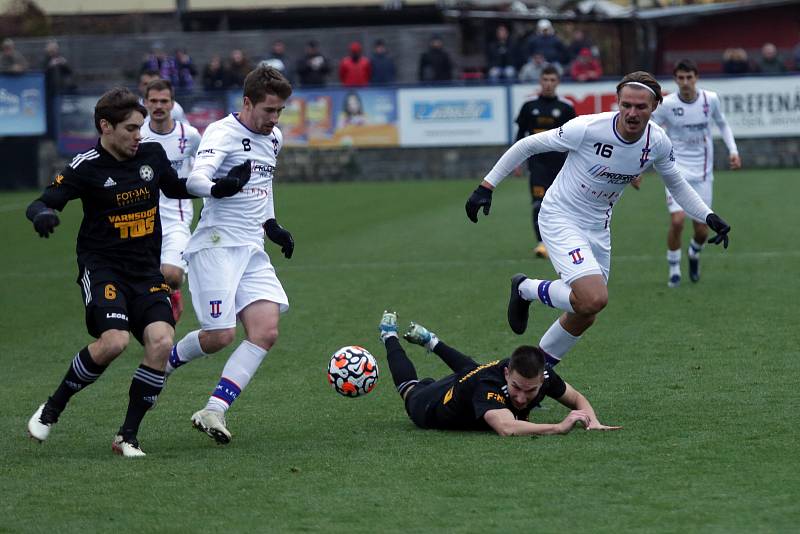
{"x": 236, "y": 220}
{"x": 181, "y": 146}
{"x": 599, "y": 165}
{"x": 688, "y": 125}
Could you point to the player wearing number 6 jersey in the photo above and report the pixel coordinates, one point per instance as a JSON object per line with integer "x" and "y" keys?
{"x": 606, "y": 151}
{"x": 119, "y": 245}
{"x": 686, "y": 116}
{"x": 230, "y": 274}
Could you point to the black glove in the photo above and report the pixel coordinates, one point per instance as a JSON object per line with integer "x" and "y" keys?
{"x": 280, "y": 236}
{"x": 482, "y": 196}
{"x": 722, "y": 228}
{"x": 236, "y": 179}
{"x": 45, "y": 222}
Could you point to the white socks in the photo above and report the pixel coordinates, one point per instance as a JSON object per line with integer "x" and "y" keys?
{"x": 556, "y": 342}
{"x": 186, "y": 350}
{"x": 555, "y": 294}
{"x": 694, "y": 249}
{"x": 674, "y": 260}
{"x": 236, "y": 374}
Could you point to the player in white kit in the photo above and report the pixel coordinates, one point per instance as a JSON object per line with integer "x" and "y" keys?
{"x": 606, "y": 151}
{"x": 180, "y": 141}
{"x": 230, "y": 274}
{"x": 686, "y": 116}
{"x": 177, "y": 112}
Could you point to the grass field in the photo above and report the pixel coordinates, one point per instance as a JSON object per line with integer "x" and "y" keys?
{"x": 704, "y": 378}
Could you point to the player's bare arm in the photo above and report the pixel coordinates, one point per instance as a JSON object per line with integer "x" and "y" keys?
{"x": 503, "y": 422}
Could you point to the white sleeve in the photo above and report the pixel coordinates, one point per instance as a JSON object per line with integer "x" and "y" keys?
{"x": 678, "y": 187}
{"x": 659, "y": 116}
{"x": 210, "y": 155}
{"x": 271, "y": 200}
{"x": 563, "y": 139}
{"x": 722, "y": 124}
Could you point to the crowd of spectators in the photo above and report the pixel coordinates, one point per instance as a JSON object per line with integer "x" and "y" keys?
{"x": 509, "y": 58}
{"x": 522, "y": 58}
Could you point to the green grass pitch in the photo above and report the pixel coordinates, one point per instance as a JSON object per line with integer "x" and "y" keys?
{"x": 704, "y": 378}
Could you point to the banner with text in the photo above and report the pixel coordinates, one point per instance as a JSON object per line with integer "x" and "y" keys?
{"x": 753, "y": 106}
{"x": 453, "y": 116}
{"x": 22, "y": 105}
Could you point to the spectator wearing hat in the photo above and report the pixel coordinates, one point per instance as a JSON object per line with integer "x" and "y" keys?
{"x": 278, "y": 59}
{"x": 313, "y": 68}
{"x": 383, "y": 68}
{"x": 586, "y": 67}
{"x": 11, "y": 61}
{"x": 355, "y": 69}
{"x": 435, "y": 64}
{"x": 546, "y": 42}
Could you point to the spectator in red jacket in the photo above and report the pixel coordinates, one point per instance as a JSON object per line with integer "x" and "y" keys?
{"x": 586, "y": 67}
{"x": 355, "y": 69}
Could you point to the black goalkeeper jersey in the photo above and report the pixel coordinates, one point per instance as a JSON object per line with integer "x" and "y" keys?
{"x": 121, "y": 227}
{"x": 539, "y": 115}
{"x": 462, "y": 399}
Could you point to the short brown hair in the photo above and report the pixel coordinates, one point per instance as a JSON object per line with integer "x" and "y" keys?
{"x": 160, "y": 85}
{"x": 644, "y": 78}
{"x": 115, "y": 106}
{"x": 265, "y": 80}
{"x": 685, "y": 65}
{"x": 527, "y": 360}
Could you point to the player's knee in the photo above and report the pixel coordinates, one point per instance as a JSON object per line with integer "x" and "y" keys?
{"x": 265, "y": 338}
{"x": 112, "y": 343}
{"x": 591, "y": 304}
{"x": 216, "y": 340}
{"x": 161, "y": 344}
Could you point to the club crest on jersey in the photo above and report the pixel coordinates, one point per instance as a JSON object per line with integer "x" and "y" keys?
{"x": 215, "y": 308}
{"x": 182, "y": 141}
{"x": 576, "y": 256}
{"x": 146, "y": 173}
{"x": 645, "y": 157}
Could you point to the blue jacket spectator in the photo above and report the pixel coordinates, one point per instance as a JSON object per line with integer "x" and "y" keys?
{"x": 547, "y": 43}
{"x": 383, "y": 68}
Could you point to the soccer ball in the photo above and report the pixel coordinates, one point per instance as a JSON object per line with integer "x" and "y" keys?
{"x": 353, "y": 371}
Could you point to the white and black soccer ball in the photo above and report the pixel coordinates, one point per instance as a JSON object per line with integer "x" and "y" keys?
{"x": 353, "y": 371}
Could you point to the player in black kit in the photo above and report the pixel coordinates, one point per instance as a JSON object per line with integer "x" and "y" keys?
{"x": 498, "y": 395}
{"x": 544, "y": 112}
{"x": 119, "y": 257}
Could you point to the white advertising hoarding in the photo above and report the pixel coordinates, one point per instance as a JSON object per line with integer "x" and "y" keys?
{"x": 453, "y": 116}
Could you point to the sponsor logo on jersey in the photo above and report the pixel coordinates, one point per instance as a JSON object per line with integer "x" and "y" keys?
{"x": 116, "y": 315}
{"x": 561, "y": 131}
{"x": 209, "y": 151}
{"x": 263, "y": 168}
{"x": 110, "y": 182}
{"x": 136, "y": 224}
{"x": 133, "y": 196}
{"x": 216, "y": 306}
{"x": 177, "y": 164}
{"x": 146, "y": 173}
{"x": 492, "y": 396}
{"x": 604, "y": 171}
{"x": 576, "y": 256}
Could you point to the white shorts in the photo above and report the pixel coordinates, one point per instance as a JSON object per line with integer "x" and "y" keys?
{"x": 704, "y": 189}
{"x": 173, "y": 242}
{"x": 576, "y": 252}
{"x": 224, "y": 280}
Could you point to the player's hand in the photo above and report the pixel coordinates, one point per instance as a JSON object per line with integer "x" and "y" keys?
{"x": 596, "y": 425}
{"x": 735, "y": 161}
{"x": 722, "y": 228}
{"x": 280, "y": 236}
{"x": 482, "y": 196}
{"x": 637, "y": 182}
{"x": 231, "y": 184}
{"x": 573, "y": 418}
{"x": 45, "y": 222}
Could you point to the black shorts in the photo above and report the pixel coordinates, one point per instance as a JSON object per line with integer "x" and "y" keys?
{"x": 419, "y": 402}
{"x": 118, "y": 302}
